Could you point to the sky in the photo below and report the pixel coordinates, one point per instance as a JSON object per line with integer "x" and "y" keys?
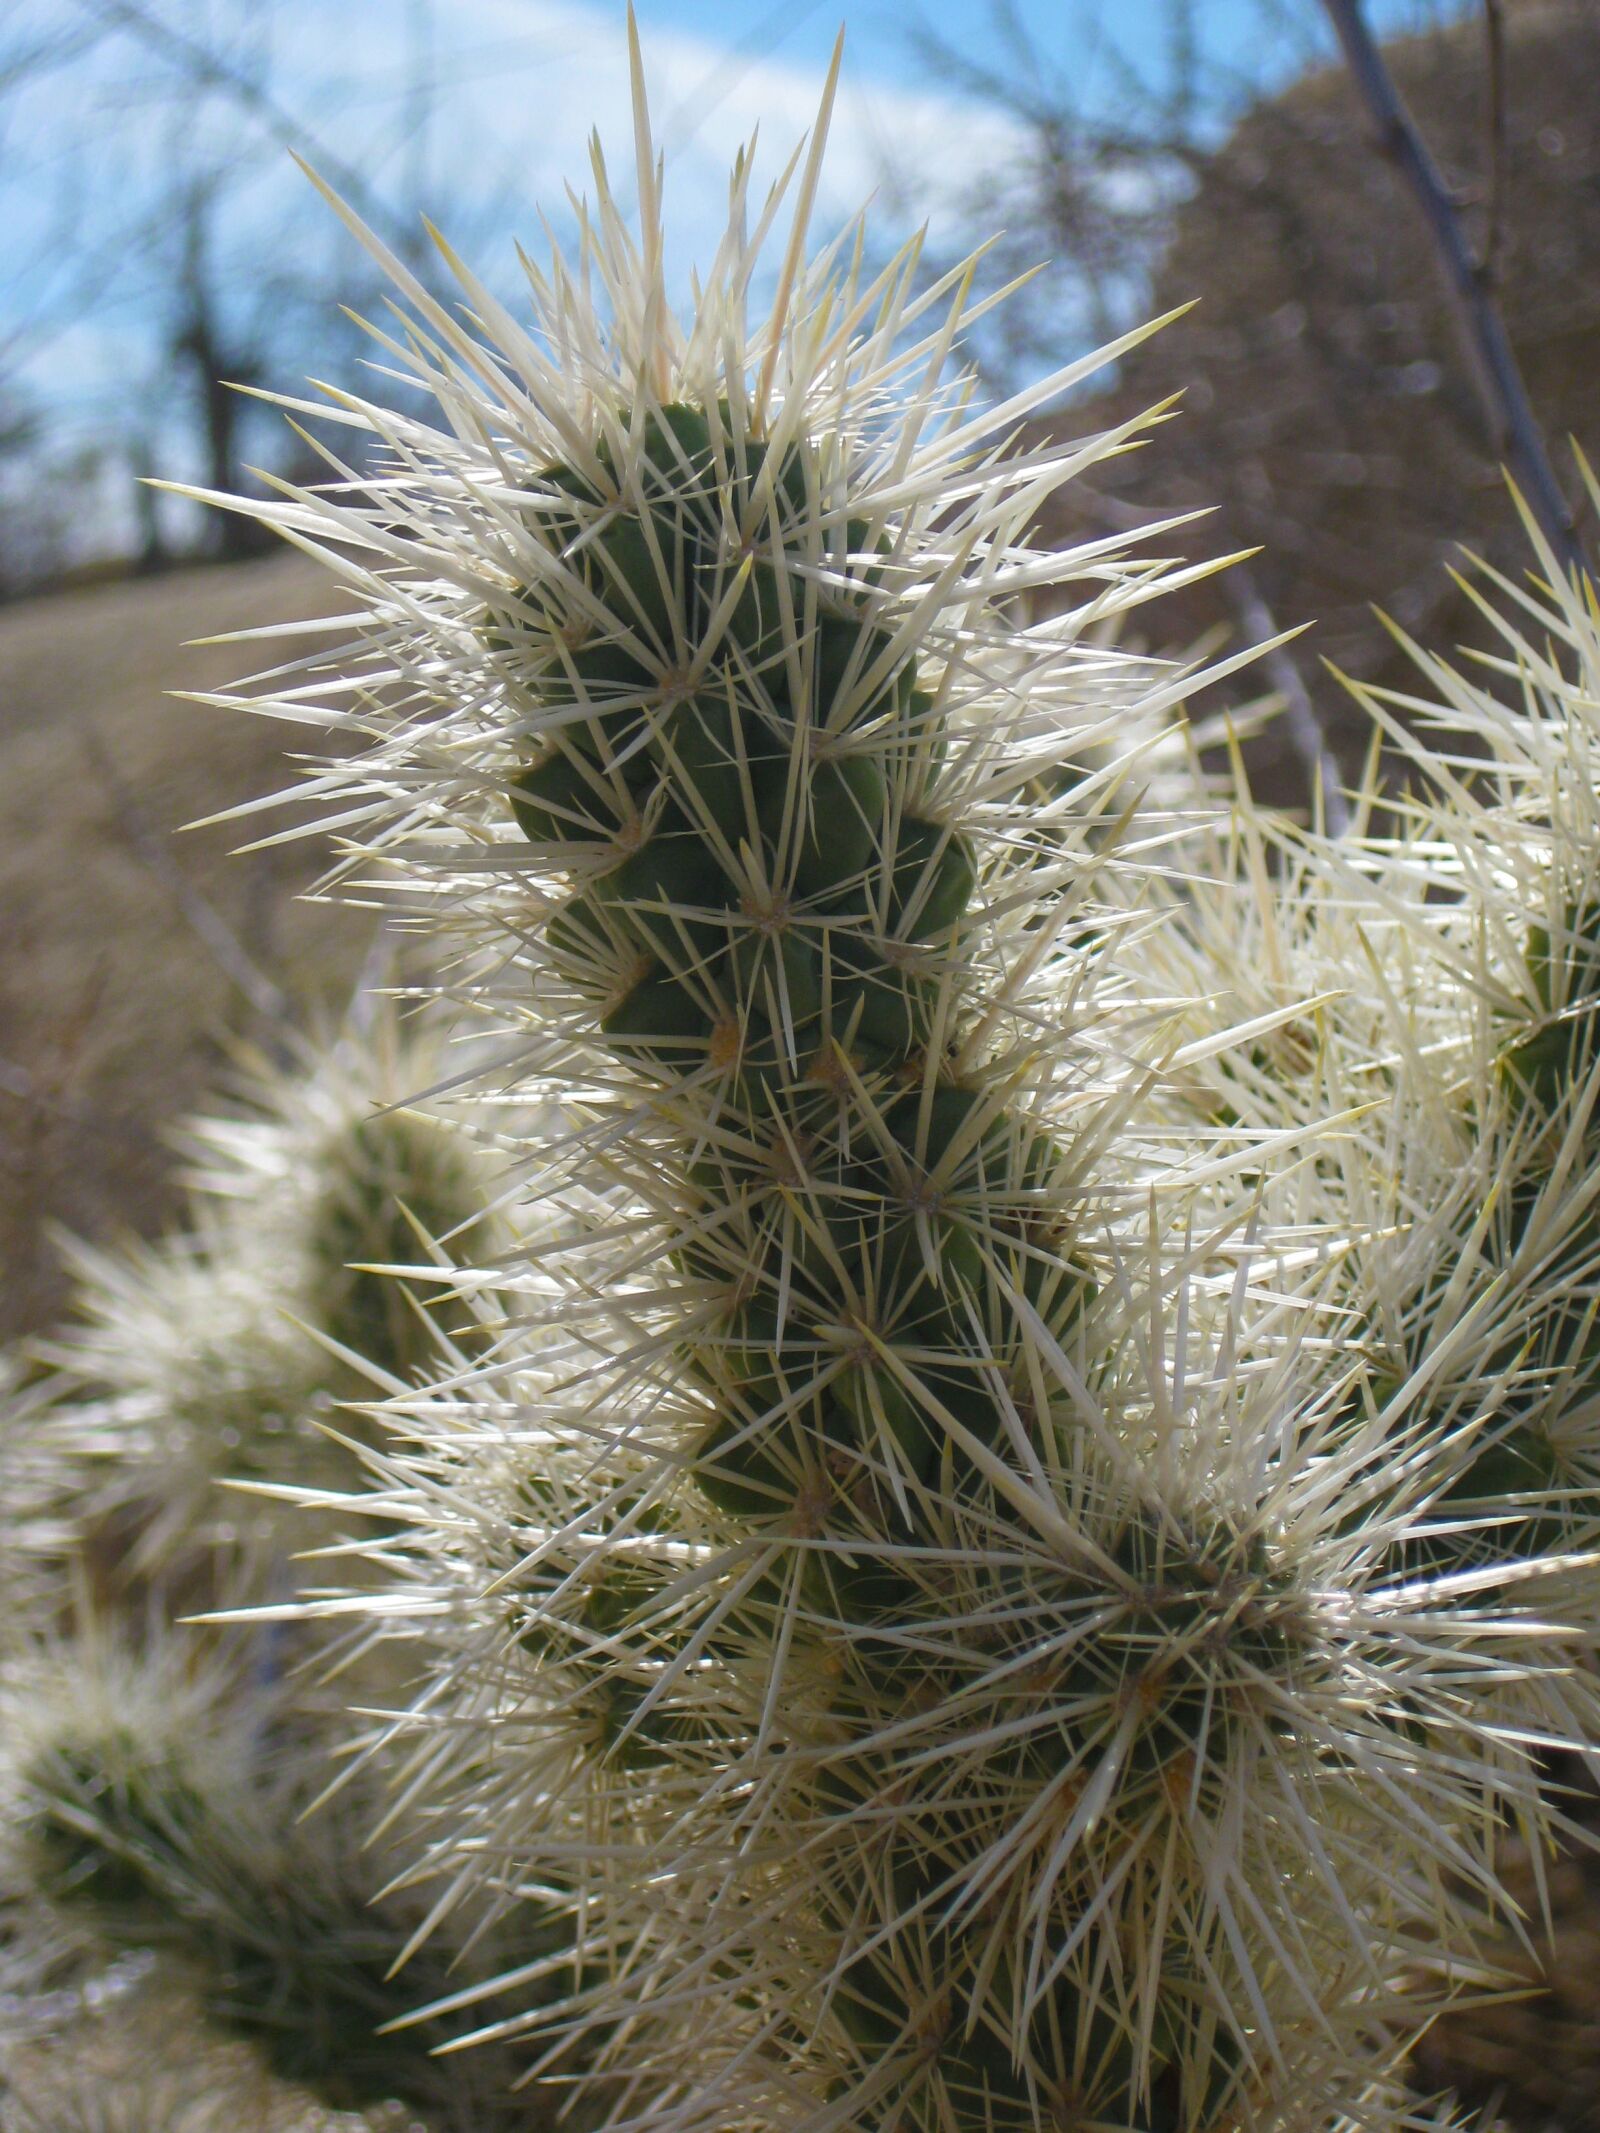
{"x": 515, "y": 87}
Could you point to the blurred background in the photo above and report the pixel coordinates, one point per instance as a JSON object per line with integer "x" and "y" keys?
{"x": 161, "y": 248}
{"x": 161, "y": 244}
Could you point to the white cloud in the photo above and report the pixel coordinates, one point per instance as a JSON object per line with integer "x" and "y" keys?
{"x": 522, "y": 83}
{"x": 515, "y": 89}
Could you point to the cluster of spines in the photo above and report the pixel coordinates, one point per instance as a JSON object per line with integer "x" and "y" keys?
{"x": 1513, "y": 1492}
{"x": 981, "y": 1829}
{"x": 871, "y": 1419}
{"x": 870, "y": 1239}
{"x": 1457, "y": 1164}
{"x": 217, "y": 1352}
{"x": 395, "y": 1190}
{"x": 160, "y": 1803}
{"x": 1517, "y": 1480}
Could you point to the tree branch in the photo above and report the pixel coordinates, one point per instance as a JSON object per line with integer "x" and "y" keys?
{"x": 1494, "y": 113}
{"x": 209, "y": 70}
{"x": 1499, "y": 380}
{"x": 1301, "y": 723}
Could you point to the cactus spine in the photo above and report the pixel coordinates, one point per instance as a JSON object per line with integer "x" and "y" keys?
{"x": 157, "y": 1776}
{"x": 922, "y": 1615}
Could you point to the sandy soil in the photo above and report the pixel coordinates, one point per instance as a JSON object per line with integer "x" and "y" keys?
{"x": 111, "y": 1005}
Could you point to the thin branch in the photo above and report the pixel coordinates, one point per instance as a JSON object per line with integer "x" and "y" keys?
{"x": 26, "y": 62}
{"x": 1494, "y": 42}
{"x": 209, "y": 70}
{"x": 1300, "y": 719}
{"x": 1499, "y": 380}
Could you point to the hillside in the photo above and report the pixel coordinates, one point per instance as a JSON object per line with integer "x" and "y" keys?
{"x": 112, "y": 1007}
{"x": 1328, "y": 413}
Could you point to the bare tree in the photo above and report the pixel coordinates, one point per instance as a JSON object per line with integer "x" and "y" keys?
{"x": 200, "y": 340}
{"x": 184, "y": 263}
{"x": 1467, "y": 282}
{"x": 1327, "y": 416}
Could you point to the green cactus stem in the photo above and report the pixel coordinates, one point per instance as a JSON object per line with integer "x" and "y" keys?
{"x": 769, "y": 904}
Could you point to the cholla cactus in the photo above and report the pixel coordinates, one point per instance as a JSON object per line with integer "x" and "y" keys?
{"x": 157, "y": 1798}
{"x": 154, "y": 1776}
{"x": 42, "y": 1443}
{"x": 335, "y": 1170}
{"x": 1448, "y": 981}
{"x": 937, "y": 1594}
{"x": 224, "y": 1353}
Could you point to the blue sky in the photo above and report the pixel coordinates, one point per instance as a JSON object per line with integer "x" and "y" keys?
{"x": 882, "y": 33}
{"x": 517, "y": 87}
{"x": 519, "y": 83}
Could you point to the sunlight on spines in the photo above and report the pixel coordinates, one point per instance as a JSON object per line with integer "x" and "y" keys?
{"x": 993, "y": 1569}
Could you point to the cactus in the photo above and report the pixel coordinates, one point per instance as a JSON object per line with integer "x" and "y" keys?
{"x": 36, "y": 1498}
{"x": 223, "y": 1352}
{"x": 1450, "y": 969}
{"x": 160, "y": 1803}
{"x": 946, "y": 1628}
{"x": 155, "y": 1775}
{"x": 336, "y": 1171}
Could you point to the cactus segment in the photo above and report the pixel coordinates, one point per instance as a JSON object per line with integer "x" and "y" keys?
{"x": 703, "y": 764}
{"x": 608, "y": 690}
{"x": 381, "y": 1175}
{"x": 589, "y": 673}
{"x": 851, "y": 679}
{"x": 659, "y": 1023}
{"x": 671, "y": 451}
{"x": 933, "y": 880}
{"x": 756, "y": 626}
{"x": 1206, "y": 1613}
{"x": 663, "y": 899}
{"x": 1518, "y": 1464}
{"x": 540, "y": 602}
{"x": 638, "y": 566}
{"x": 1570, "y": 975}
{"x": 844, "y": 800}
{"x": 99, "y": 1813}
{"x": 556, "y": 800}
{"x": 740, "y": 1472}
{"x": 606, "y": 1652}
{"x": 775, "y": 976}
{"x": 1056, "y": 1286}
{"x": 923, "y": 1998}
{"x": 882, "y": 1408}
{"x": 1541, "y": 1068}
{"x": 1549, "y": 1065}
{"x": 747, "y": 530}
{"x": 861, "y": 541}
{"x": 888, "y": 1007}
{"x": 1514, "y": 1497}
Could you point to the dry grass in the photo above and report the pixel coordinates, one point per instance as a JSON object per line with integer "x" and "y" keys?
{"x": 111, "y": 1006}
